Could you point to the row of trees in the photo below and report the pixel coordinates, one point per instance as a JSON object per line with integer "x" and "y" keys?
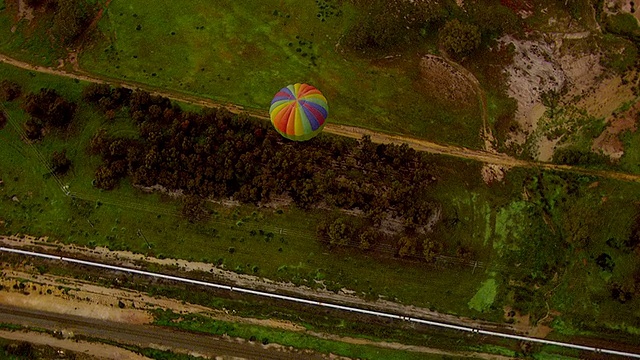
{"x": 388, "y": 25}
{"x": 348, "y": 231}
{"x": 217, "y": 154}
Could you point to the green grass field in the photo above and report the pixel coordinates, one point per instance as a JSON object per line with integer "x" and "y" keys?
{"x": 281, "y": 245}
{"x": 112, "y": 218}
{"x": 243, "y": 53}
{"x": 489, "y": 219}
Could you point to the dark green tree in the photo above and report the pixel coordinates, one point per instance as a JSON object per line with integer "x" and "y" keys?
{"x": 60, "y": 163}
{"x": 194, "y": 209}
{"x": 9, "y": 90}
{"x": 33, "y": 129}
{"x": 459, "y": 39}
{"x": 49, "y": 107}
{"x": 3, "y": 120}
{"x": 70, "y": 20}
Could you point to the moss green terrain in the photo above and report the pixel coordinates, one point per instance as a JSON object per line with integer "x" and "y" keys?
{"x": 552, "y": 226}
{"x": 278, "y": 245}
{"x": 243, "y": 53}
{"x": 542, "y": 243}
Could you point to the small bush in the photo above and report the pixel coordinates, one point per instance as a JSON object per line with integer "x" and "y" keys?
{"x": 572, "y": 156}
{"x": 459, "y": 38}
{"x": 623, "y": 24}
{"x": 9, "y": 90}
{"x": 3, "y": 120}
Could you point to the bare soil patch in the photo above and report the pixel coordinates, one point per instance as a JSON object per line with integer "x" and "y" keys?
{"x": 24, "y": 11}
{"x": 441, "y": 78}
{"x": 493, "y": 172}
{"x": 82, "y": 298}
{"x": 564, "y": 69}
{"x": 534, "y": 71}
{"x": 606, "y": 97}
{"x": 89, "y": 349}
{"x": 609, "y": 142}
{"x": 248, "y": 281}
{"x": 523, "y": 324}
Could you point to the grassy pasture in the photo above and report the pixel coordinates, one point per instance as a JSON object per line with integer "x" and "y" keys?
{"x": 243, "y": 53}
{"x": 281, "y": 244}
{"x": 24, "y": 39}
{"x": 265, "y": 242}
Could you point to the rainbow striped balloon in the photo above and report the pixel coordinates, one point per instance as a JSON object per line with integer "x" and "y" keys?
{"x": 298, "y": 112}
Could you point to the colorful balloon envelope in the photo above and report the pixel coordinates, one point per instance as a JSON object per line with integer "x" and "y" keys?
{"x": 298, "y": 112}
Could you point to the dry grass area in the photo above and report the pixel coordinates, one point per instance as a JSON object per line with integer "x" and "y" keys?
{"x": 81, "y": 349}
{"x": 24, "y": 287}
{"x": 443, "y": 79}
{"x": 564, "y": 66}
{"x": 125, "y": 258}
{"x": 564, "y": 59}
{"x": 609, "y": 142}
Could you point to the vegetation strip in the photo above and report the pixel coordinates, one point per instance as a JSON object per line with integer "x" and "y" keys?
{"x": 341, "y": 130}
{"x": 324, "y": 304}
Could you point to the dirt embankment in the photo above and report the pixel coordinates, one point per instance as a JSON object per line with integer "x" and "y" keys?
{"x": 89, "y": 350}
{"x": 25, "y": 287}
{"x": 345, "y": 296}
{"x": 561, "y": 87}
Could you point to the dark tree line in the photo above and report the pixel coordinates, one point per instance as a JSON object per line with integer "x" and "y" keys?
{"x": 393, "y": 25}
{"x": 217, "y": 154}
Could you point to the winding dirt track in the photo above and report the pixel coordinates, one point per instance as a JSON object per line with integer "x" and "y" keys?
{"x": 341, "y": 130}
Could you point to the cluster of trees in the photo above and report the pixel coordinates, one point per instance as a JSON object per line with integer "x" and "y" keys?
{"x": 47, "y": 110}
{"x": 70, "y": 17}
{"x": 386, "y": 25}
{"x": 358, "y": 232}
{"x": 389, "y": 24}
{"x": 217, "y": 154}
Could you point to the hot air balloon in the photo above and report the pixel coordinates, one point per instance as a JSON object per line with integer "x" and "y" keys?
{"x": 298, "y": 112}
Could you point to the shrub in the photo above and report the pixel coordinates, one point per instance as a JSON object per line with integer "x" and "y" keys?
{"x": 572, "y": 156}
{"x": 9, "y": 90}
{"x": 3, "y": 120}
{"x": 93, "y": 93}
{"x": 458, "y": 38}
{"x": 623, "y": 24}
{"x": 49, "y": 107}
{"x": 60, "y": 163}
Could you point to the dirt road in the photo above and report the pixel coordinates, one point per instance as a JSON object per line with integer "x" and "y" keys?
{"x": 341, "y": 130}
{"x": 150, "y": 336}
